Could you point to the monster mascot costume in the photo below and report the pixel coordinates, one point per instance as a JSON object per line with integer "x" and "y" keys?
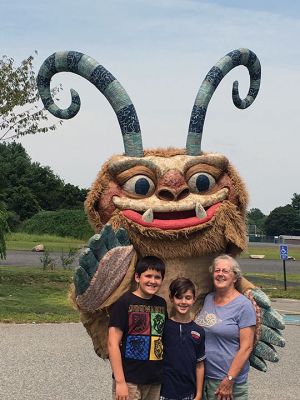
{"x": 185, "y": 206}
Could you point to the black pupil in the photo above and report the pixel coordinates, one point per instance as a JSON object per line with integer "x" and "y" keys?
{"x": 142, "y": 186}
{"x": 202, "y": 183}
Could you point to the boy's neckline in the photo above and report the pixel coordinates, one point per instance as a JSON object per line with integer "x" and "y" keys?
{"x": 181, "y": 322}
{"x": 142, "y": 297}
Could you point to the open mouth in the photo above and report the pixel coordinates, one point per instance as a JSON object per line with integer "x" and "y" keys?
{"x": 171, "y": 220}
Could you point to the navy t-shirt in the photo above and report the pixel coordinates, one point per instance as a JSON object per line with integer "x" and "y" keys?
{"x": 183, "y": 348}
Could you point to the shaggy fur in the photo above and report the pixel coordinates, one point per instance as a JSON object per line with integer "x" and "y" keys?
{"x": 187, "y": 252}
{"x": 225, "y": 230}
{"x": 98, "y": 217}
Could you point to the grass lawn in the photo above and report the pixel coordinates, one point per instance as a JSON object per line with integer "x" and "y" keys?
{"x": 25, "y": 241}
{"x": 33, "y": 295}
{"x": 273, "y": 285}
{"x": 270, "y": 252}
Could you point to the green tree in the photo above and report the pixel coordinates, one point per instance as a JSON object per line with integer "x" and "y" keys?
{"x": 28, "y": 187}
{"x": 22, "y": 199}
{"x": 21, "y": 113}
{"x": 256, "y": 218}
{"x": 72, "y": 197}
{"x": 296, "y": 202}
{"x": 3, "y": 230}
{"x": 3, "y": 221}
{"x": 45, "y": 186}
{"x": 283, "y": 221}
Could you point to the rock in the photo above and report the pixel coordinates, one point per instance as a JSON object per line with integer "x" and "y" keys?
{"x": 38, "y": 248}
{"x": 257, "y": 256}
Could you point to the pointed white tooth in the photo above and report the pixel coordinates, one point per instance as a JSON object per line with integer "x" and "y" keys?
{"x": 200, "y": 212}
{"x": 148, "y": 215}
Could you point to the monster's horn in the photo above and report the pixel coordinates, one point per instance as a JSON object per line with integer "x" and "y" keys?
{"x": 213, "y": 78}
{"x": 81, "y": 64}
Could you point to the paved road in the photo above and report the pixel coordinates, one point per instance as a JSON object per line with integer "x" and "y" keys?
{"x": 263, "y": 244}
{"x": 20, "y": 258}
{"x": 28, "y": 258}
{"x": 56, "y": 361}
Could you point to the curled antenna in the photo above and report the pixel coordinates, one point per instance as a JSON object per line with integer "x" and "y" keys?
{"x": 213, "y": 78}
{"x": 109, "y": 86}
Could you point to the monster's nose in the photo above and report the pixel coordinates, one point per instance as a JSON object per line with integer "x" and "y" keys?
{"x": 172, "y": 195}
{"x": 172, "y": 187}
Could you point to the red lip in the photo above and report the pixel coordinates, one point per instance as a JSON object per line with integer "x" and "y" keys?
{"x": 172, "y": 220}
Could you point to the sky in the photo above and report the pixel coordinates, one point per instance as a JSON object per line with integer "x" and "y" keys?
{"x": 160, "y": 51}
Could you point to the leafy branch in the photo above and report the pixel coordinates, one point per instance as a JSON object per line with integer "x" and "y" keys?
{"x": 21, "y": 111}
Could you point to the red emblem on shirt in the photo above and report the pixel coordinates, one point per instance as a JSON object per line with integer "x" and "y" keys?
{"x": 195, "y": 335}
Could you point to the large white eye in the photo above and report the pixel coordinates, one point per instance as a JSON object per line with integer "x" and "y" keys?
{"x": 201, "y": 182}
{"x": 140, "y": 184}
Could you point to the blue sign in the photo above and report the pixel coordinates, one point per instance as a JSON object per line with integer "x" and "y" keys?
{"x": 284, "y": 251}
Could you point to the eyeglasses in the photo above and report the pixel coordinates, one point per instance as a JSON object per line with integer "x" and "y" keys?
{"x": 222, "y": 271}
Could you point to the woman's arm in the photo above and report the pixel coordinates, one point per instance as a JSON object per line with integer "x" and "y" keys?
{"x": 224, "y": 390}
{"x": 114, "y": 339}
{"x": 199, "y": 380}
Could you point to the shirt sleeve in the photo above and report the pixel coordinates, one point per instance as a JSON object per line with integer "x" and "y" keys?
{"x": 119, "y": 315}
{"x": 247, "y": 315}
{"x": 200, "y": 356}
{"x": 166, "y": 310}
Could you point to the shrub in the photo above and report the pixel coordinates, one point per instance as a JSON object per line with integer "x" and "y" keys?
{"x": 68, "y": 259}
{"x": 72, "y": 223}
{"x": 47, "y": 261}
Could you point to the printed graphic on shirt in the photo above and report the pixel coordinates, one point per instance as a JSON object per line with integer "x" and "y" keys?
{"x": 145, "y": 327}
{"x": 208, "y": 319}
{"x": 157, "y": 323}
{"x": 156, "y": 350}
{"x": 138, "y": 323}
{"x": 196, "y": 335}
{"x": 144, "y": 308}
{"x": 137, "y": 347}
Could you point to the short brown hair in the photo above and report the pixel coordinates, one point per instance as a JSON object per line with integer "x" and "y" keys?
{"x": 180, "y": 286}
{"x": 150, "y": 262}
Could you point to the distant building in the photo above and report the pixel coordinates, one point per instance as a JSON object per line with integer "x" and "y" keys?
{"x": 288, "y": 239}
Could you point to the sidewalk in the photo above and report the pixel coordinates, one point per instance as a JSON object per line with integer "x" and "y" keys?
{"x": 57, "y": 361}
{"x": 286, "y": 306}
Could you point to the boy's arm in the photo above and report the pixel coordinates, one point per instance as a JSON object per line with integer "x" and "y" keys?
{"x": 199, "y": 380}
{"x": 114, "y": 340}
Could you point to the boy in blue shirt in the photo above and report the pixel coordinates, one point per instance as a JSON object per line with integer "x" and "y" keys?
{"x": 184, "y": 349}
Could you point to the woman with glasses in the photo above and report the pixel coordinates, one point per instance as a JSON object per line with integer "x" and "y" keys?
{"x": 228, "y": 319}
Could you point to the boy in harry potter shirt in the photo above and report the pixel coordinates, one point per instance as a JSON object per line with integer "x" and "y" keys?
{"x": 135, "y": 335}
